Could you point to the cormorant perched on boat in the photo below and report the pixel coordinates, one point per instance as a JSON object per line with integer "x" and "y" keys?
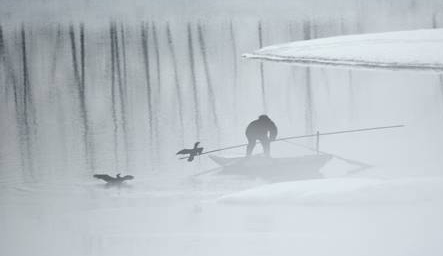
{"x": 192, "y": 152}
{"x": 262, "y": 129}
{"x": 113, "y": 180}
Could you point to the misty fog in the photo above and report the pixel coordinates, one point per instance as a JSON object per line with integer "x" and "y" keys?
{"x": 112, "y": 87}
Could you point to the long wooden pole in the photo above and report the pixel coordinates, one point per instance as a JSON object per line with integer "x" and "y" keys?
{"x": 307, "y": 136}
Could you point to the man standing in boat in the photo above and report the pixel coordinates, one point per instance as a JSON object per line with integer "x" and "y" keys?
{"x": 263, "y": 130}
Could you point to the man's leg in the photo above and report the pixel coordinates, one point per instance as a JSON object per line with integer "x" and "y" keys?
{"x": 250, "y": 147}
{"x": 266, "y": 143}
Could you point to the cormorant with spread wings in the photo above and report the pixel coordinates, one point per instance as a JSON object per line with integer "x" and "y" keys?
{"x": 192, "y": 152}
{"x": 113, "y": 180}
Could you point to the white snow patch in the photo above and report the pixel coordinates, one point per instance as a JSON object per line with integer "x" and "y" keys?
{"x": 342, "y": 191}
{"x": 417, "y": 50}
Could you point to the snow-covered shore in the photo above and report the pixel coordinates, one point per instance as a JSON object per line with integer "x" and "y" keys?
{"x": 416, "y": 50}
{"x": 337, "y": 191}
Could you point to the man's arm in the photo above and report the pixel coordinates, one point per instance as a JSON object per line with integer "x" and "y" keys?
{"x": 273, "y": 131}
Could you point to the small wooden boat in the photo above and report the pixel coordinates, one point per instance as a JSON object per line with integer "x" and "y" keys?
{"x": 274, "y": 169}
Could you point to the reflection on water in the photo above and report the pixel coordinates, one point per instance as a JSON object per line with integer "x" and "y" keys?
{"x": 77, "y": 100}
{"x": 121, "y": 97}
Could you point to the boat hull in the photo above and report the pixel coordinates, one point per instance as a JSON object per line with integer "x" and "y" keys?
{"x": 275, "y": 169}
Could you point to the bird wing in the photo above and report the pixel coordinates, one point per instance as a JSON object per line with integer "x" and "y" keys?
{"x": 128, "y": 177}
{"x": 184, "y": 151}
{"x": 104, "y": 177}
